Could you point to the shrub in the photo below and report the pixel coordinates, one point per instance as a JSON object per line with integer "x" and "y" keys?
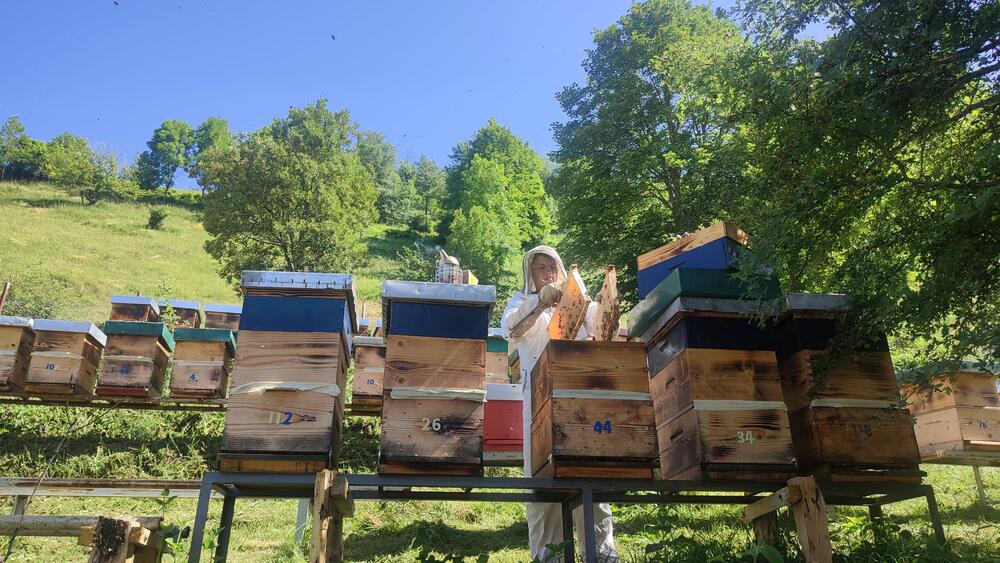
{"x": 156, "y": 217}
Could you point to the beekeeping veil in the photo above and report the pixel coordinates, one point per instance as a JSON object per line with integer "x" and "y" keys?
{"x": 529, "y": 285}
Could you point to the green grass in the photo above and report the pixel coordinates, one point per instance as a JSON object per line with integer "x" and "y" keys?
{"x": 66, "y": 259}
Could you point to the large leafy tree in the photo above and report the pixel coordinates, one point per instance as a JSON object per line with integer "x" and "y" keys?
{"x": 69, "y": 161}
{"x": 523, "y": 169}
{"x": 212, "y": 135}
{"x": 649, "y": 147}
{"x": 875, "y": 167}
{"x": 292, "y": 196}
{"x": 397, "y": 200}
{"x": 428, "y": 180}
{"x": 168, "y": 150}
{"x": 21, "y": 157}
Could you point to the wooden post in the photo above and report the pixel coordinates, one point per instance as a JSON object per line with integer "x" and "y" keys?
{"x": 3, "y": 295}
{"x": 803, "y": 498}
{"x": 331, "y": 502}
{"x": 765, "y": 528}
{"x": 980, "y": 490}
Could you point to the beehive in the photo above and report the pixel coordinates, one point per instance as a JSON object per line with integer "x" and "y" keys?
{"x": 134, "y": 308}
{"x": 845, "y": 412}
{"x": 435, "y": 374}
{"x": 716, "y": 393}
{"x": 715, "y": 247}
{"x": 496, "y": 358}
{"x": 64, "y": 358}
{"x": 17, "y": 338}
{"x": 958, "y": 415}
{"x": 135, "y": 359}
{"x": 188, "y": 312}
{"x": 503, "y": 424}
{"x": 592, "y": 412}
{"x": 369, "y": 371}
{"x": 286, "y": 402}
{"x": 202, "y": 362}
{"x": 223, "y": 316}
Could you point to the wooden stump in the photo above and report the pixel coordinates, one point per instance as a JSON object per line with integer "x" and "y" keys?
{"x": 331, "y": 503}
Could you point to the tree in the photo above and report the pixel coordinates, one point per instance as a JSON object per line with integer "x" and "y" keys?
{"x": 292, "y": 196}
{"x": 169, "y": 149}
{"x": 10, "y": 132}
{"x": 21, "y": 157}
{"x": 428, "y": 181}
{"x": 397, "y": 200}
{"x": 649, "y": 148}
{"x": 522, "y": 167}
{"x": 874, "y": 168}
{"x": 212, "y": 135}
{"x": 69, "y": 161}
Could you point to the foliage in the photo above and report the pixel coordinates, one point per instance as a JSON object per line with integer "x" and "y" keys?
{"x": 649, "y": 145}
{"x": 523, "y": 169}
{"x": 169, "y": 149}
{"x": 156, "y": 218}
{"x": 21, "y": 157}
{"x": 873, "y": 166}
{"x": 69, "y": 161}
{"x": 292, "y": 196}
{"x": 428, "y": 180}
{"x": 212, "y": 135}
{"x": 413, "y": 264}
{"x": 397, "y": 200}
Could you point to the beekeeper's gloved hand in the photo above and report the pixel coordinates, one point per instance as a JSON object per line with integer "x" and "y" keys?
{"x": 550, "y": 294}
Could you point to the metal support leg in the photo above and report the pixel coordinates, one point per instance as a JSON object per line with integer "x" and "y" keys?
{"x": 225, "y": 528}
{"x": 589, "y": 540}
{"x": 20, "y": 504}
{"x": 980, "y": 490}
{"x": 932, "y": 508}
{"x": 567, "y": 526}
{"x": 200, "y": 519}
{"x": 300, "y": 520}
{"x": 875, "y": 513}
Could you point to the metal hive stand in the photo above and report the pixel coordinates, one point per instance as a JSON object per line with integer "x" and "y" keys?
{"x": 570, "y": 493}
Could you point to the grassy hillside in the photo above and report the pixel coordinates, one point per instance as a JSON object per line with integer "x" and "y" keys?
{"x": 66, "y": 259}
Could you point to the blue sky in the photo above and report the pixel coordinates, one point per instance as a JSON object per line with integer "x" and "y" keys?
{"x": 425, "y": 73}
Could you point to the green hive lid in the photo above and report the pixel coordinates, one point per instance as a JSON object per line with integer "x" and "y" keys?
{"x": 496, "y": 342}
{"x": 691, "y": 282}
{"x": 206, "y": 335}
{"x": 141, "y": 329}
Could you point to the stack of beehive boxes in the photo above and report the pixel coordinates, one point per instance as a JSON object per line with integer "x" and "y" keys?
{"x": 369, "y": 371}
{"x": 714, "y": 375}
{"x": 847, "y": 420}
{"x": 958, "y": 414}
{"x": 65, "y": 358}
{"x": 17, "y": 338}
{"x": 202, "y": 362}
{"x": 435, "y": 374}
{"x": 138, "y": 349}
{"x": 223, "y": 316}
{"x": 286, "y": 403}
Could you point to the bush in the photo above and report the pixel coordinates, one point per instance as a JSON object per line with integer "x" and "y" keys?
{"x": 156, "y": 217}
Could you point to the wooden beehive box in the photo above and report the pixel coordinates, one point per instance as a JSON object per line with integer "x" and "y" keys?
{"x": 592, "y": 413}
{"x": 496, "y": 358}
{"x": 134, "y": 308}
{"x": 202, "y": 363}
{"x": 958, "y": 416}
{"x": 188, "y": 312}
{"x": 17, "y": 338}
{"x": 716, "y": 393}
{"x": 223, "y": 316}
{"x": 845, "y": 410}
{"x": 286, "y": 403}
{"x": 503, "y": 425}
{"x": 435, "y": 377}
{"x": 135, "y": 359}
{"x": 715, "y": 247}
{"x": 369, "y": 371}
{"x": 65, "y": 358}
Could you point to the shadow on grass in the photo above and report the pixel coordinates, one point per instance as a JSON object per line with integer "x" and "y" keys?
{"x": 949, "y": 515}
{"x": 436, "y": 536}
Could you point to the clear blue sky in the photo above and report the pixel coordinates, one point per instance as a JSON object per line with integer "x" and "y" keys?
{"x": 425, "y": 73}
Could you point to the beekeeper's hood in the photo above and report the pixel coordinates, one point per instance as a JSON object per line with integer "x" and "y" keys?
{"x": 529, "y": 284}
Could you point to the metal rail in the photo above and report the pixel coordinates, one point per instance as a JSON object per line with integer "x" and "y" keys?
{"x": 569, "y": 493}
{"x": 136, "y": 403}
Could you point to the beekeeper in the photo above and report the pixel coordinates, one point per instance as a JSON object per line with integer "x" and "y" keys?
{"x": 544, "y": 275}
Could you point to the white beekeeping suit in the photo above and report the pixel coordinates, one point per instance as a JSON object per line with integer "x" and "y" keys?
{"x": 545, "y": 519}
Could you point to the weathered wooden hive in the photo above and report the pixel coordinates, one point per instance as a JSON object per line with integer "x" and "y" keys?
{"x": 188, "y": 312}
{"x": 847, "y": 419}
{"x": 958, "y": 415}
{"x": 202, "y": 362}
{"x": 135, "y": 359}
{"x": 435, "y": 376}
{"x": 369, "y": 371}
{"x": 286, "y": 403}
{"x": 17, "y": 338}
{"x": 592, "y": 413}
{"x": 496, "y": 357}
{"x": 65, "y": 358}
{"x": 134, "y": 308}
{"x": 223, "y": 316}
